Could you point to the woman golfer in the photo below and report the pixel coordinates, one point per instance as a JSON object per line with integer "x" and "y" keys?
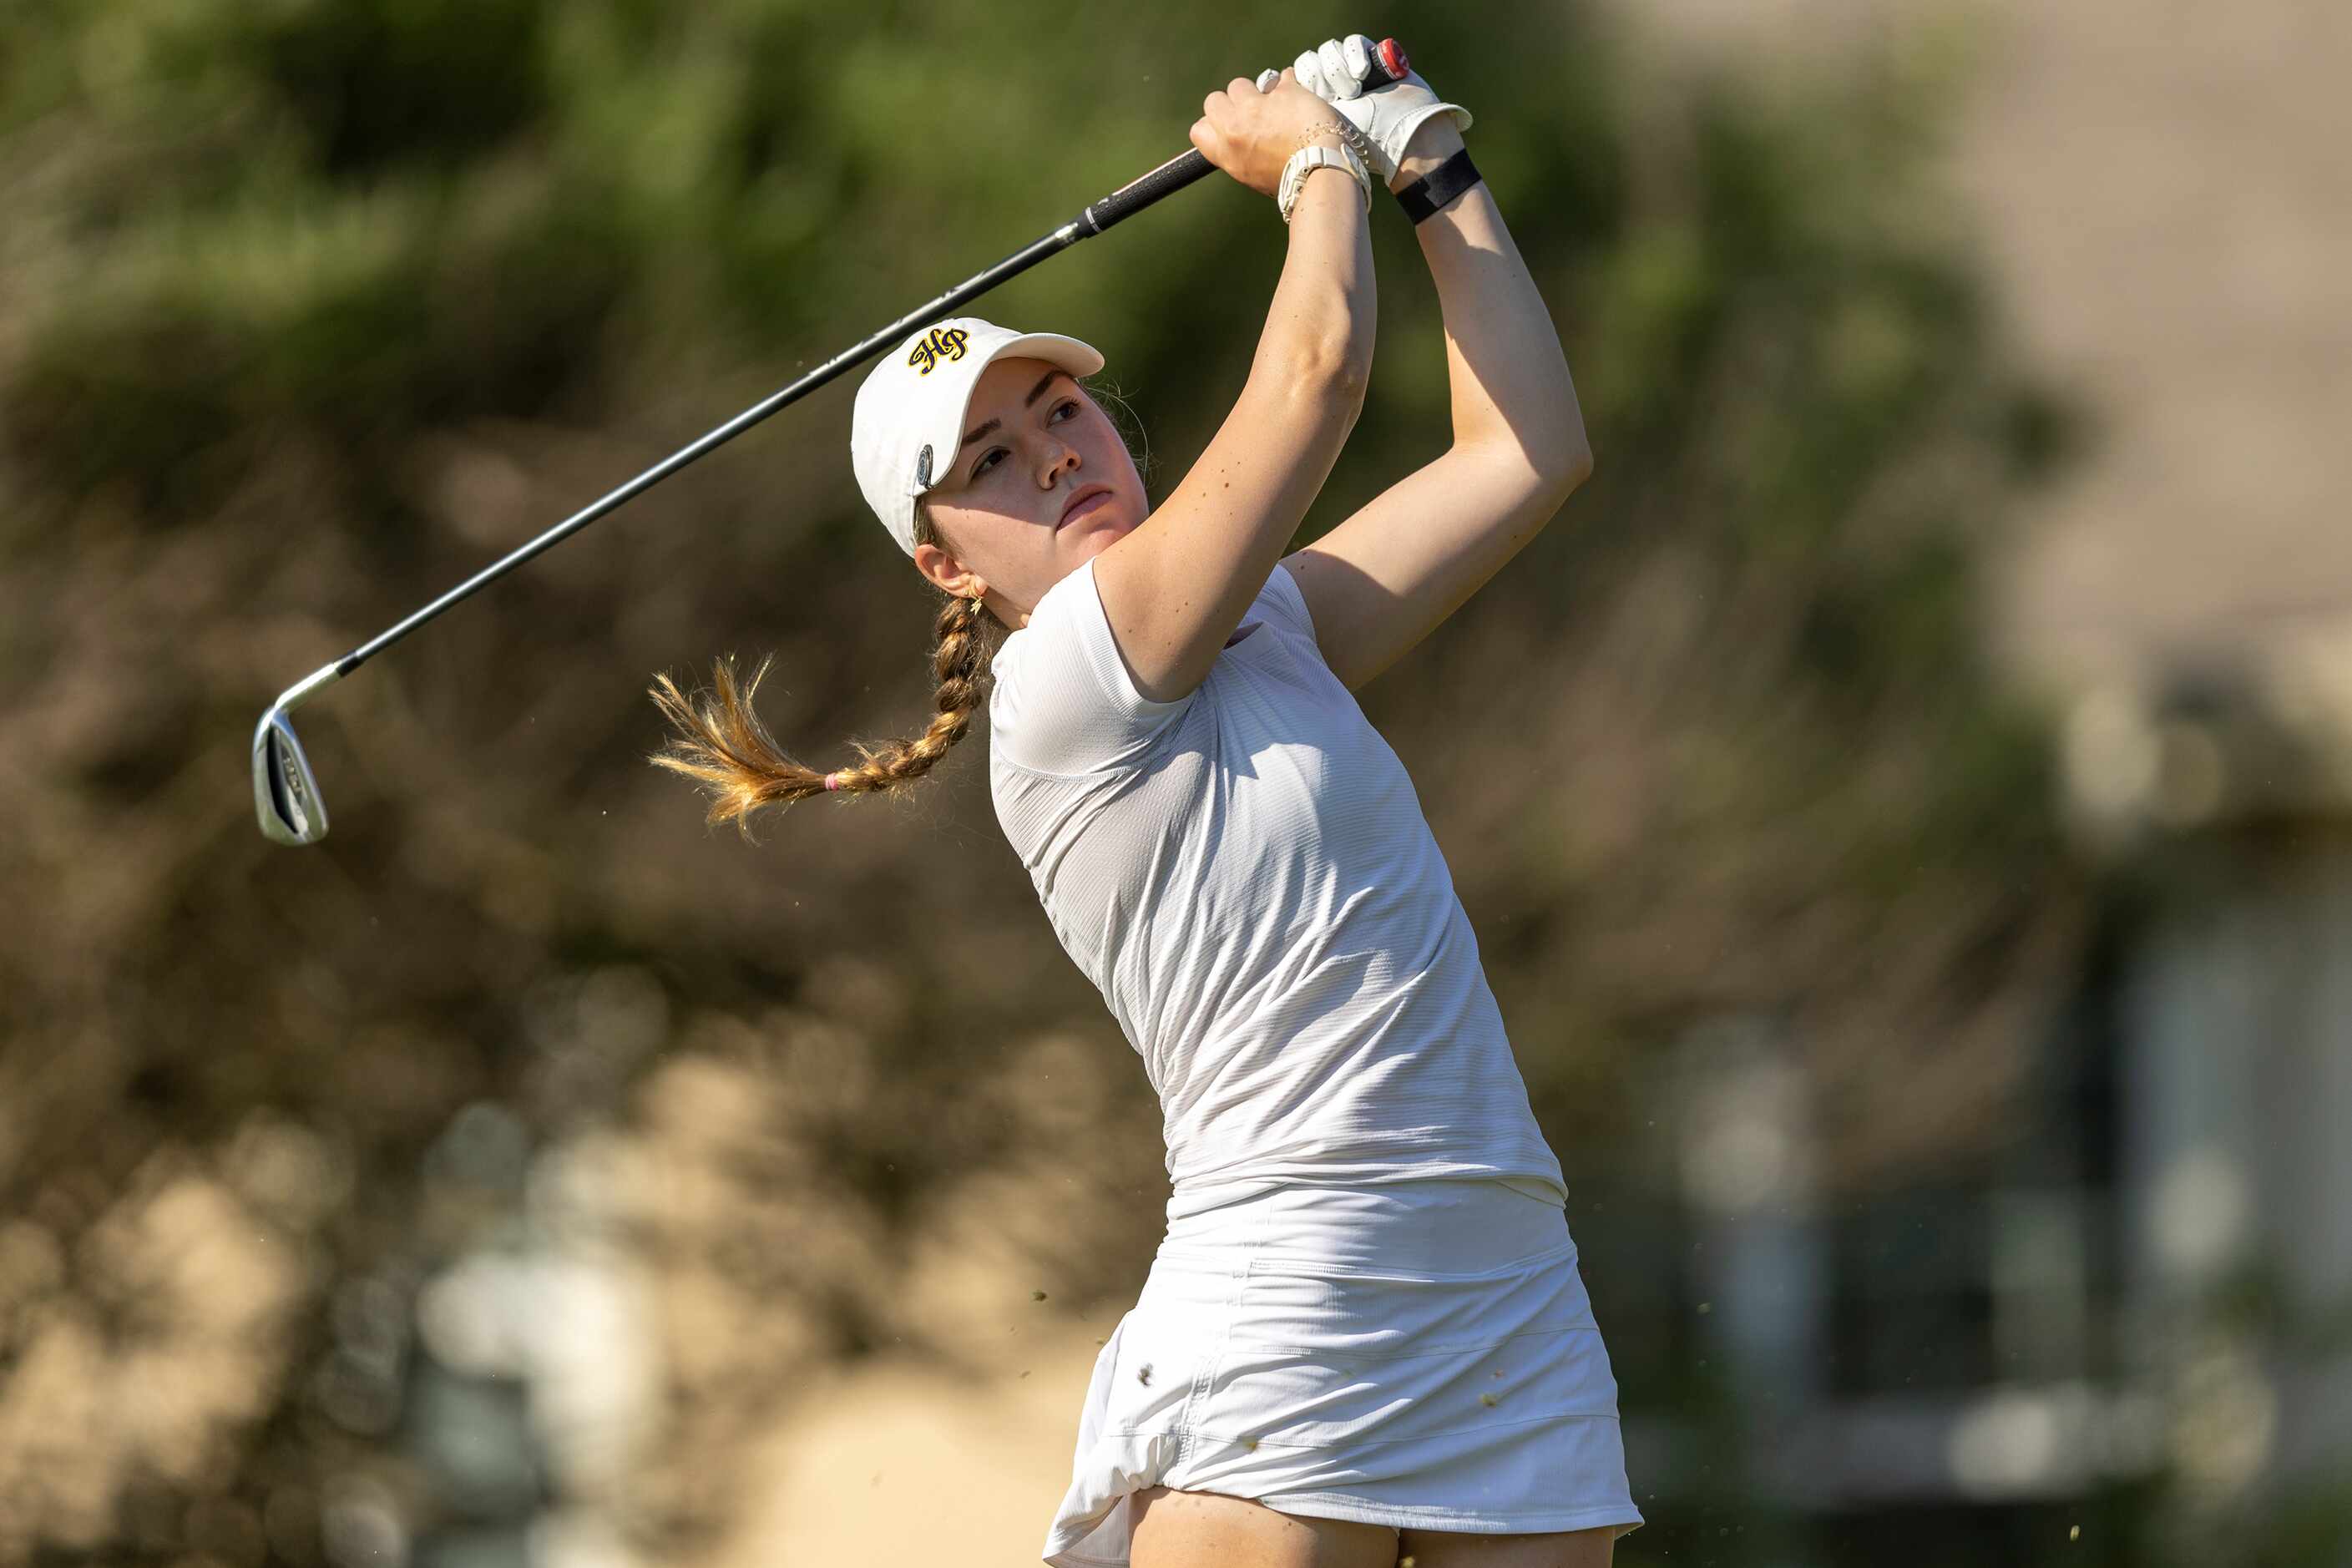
{"x": 1363, "y": 1337}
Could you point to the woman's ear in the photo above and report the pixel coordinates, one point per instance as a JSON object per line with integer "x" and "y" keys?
{"x": 941, "y": 570}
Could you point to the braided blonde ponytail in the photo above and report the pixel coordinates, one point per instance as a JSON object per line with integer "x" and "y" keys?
{"x": 722, "y": 745}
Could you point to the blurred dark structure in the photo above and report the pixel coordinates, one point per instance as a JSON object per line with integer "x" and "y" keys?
{"x": 2124, "y": 1323}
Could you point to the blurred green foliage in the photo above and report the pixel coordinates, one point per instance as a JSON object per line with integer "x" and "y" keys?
{"x": 311, "y": 308}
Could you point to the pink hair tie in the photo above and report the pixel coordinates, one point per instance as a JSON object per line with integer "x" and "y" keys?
{"x": 833, "y": 781}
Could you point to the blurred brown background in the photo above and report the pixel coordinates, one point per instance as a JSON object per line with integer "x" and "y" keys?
{"x": 1901, "y": 801}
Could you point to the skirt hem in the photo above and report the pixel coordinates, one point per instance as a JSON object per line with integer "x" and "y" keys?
{"x": 1402, "y": 1516}
{"x": 1396, "y": 1516}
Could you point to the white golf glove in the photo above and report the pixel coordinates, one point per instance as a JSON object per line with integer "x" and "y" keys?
{"x": 1388, "y": 116}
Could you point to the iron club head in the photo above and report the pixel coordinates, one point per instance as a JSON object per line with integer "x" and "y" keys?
{"x": 285, "y": 792}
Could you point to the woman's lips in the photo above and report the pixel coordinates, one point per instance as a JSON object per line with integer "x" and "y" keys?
{"x": 1101, "y": 498}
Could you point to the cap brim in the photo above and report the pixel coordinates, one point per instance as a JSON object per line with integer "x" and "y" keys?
{"x": 1054, "y": 348}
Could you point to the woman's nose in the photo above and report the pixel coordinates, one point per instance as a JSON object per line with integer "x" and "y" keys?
{"x": 1066, "y": 459}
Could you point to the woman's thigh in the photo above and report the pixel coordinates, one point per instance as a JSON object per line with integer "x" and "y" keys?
{"x": 1205, "y": 1530}
{"x": 1454, "y": 1549}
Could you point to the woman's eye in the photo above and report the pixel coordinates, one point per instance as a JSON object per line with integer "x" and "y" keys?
{"x": 1068, "y": 405}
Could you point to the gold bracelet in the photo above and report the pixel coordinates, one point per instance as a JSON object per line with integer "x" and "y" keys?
{"x": 1356, "y": 141}
{"x": 1339, "y": 128}
{"x": 1361, "y": 145}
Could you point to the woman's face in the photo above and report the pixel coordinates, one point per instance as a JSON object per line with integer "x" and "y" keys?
{"x": 1042, "y": 483}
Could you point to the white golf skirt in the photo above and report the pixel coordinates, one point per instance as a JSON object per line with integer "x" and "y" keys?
{"x": 1417, "y": 1353}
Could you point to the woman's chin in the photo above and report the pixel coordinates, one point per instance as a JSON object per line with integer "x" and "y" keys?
{"x": 1095, "y": 533}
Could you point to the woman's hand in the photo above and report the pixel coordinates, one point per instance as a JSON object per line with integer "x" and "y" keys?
{"x": 1251, "y": 134}
{"x": 1410, "y": 128}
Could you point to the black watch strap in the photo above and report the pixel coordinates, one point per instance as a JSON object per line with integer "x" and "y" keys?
{"x": 1426, "y": 196}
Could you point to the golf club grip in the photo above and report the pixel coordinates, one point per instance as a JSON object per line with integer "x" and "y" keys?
{"x": 1388, "y": 66}
{"x": 1138, "y": 194}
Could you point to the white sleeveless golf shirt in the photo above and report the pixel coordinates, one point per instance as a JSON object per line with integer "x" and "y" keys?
{"x": 1245, "y": 875}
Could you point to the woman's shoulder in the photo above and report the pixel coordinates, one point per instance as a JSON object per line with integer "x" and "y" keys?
{"x": 1054, "y": 607}
{"x": 1063, "y": 699}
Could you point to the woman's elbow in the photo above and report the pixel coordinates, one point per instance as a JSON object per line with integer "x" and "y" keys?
{"x": 1563, "y": 471}
{"x": 1339, "y": 368}
{"x": 1333, "y": 377}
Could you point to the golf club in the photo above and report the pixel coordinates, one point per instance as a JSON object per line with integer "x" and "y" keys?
{"x": 286, "y": 792}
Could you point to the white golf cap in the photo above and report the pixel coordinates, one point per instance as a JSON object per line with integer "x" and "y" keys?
{"x": 908, "y": 423}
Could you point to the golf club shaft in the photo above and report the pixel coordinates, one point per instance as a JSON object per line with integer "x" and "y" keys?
{"x": 1127, "y": 200}
{"x": 1388, "y": 65}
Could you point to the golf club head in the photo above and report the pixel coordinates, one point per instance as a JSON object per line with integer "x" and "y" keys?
{"x": 285, "y": 794}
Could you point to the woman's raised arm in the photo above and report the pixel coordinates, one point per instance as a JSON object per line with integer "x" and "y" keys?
{"x": 1174, "y": 588}
{"x": 1382, "y": 579}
